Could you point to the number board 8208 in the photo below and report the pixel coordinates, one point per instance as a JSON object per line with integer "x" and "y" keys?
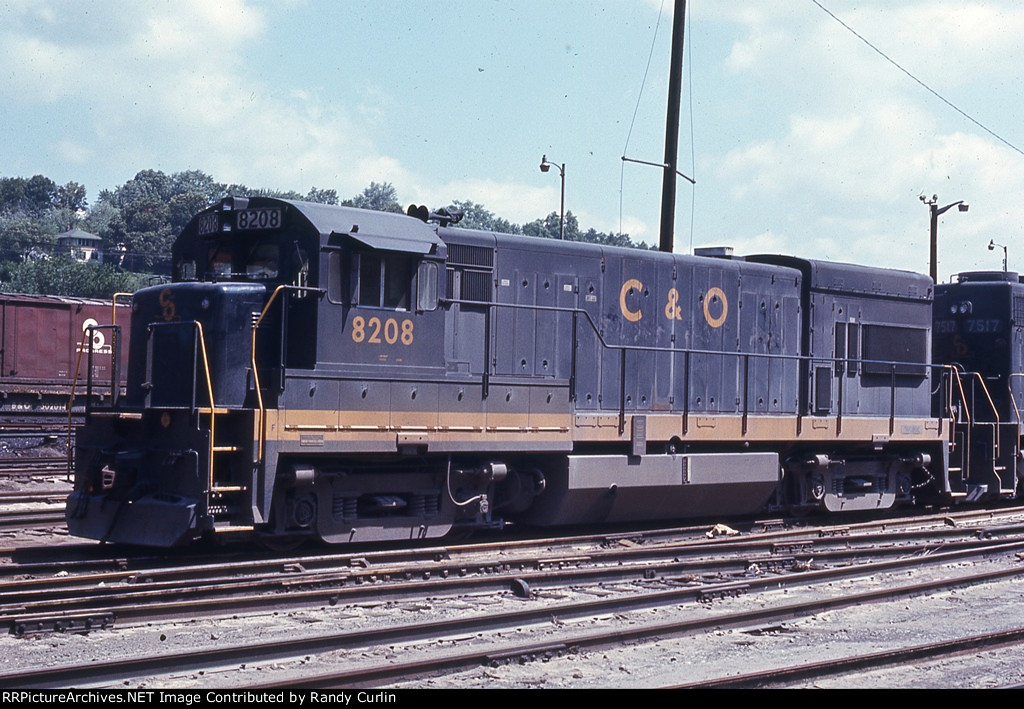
{"x": 259, "y": 219}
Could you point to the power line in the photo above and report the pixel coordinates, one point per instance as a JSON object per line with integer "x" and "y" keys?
{"x": 925, "y": 86}
{"x": 640, "y": 94}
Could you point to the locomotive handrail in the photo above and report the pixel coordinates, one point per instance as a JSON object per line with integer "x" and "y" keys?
{"x": 261, "y": 410}
{"x": 198, "y": 327}
{"x": 679, "y": 350}
{"x": 963, "y": 394}
{"x": 945, "y": 409}
{"x": 1013, "y": 400}
{"x": 115, "y": 364}
{"x": 115, "y": 373}
{"x": 113, "y": 305}
{"x": 991, "y": 403}
{"x": 71, "y": 399}
{"x": 984, "y": 388}
{"x": 686, "y": 352}
{"x": 213, "y": 405}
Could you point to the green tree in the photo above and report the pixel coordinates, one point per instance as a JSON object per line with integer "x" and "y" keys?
{"x": 322, "y": 196}
{"x": 199, "y": 183}
{"x": 20, "y": 233}
{"x": 183, "y": 206}
{"x": 609, "y": 239}
{"x": 71, "y": 197}
{"x": 477, "y": 216}
{"x": 146, "y": 185}
{"x": 379, "y": 196}
{"x": 33, "y": 196}
{"x": 548, "y": 227}
{"x": 151, "y": 209}
{"x": 100, "y": 218}
{"x": 64, "y": 276}
{"x": 236, "y": 190}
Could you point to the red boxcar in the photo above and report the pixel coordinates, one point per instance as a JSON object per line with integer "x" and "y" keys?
{"x": 41, "y": 338}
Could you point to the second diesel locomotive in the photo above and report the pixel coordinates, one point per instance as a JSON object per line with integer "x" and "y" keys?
{"x": 326, "y": 372}
{"x": 979, "y": 330}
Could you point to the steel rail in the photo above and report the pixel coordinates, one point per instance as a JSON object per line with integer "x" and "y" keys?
{"x": 445, "y": 561}
{"x": 118, "y": 670}
{"x": 34, "y": 611}
{"x": 27, "y": 519}
{"x": 374, "y": 676}
{"x": 873, "y": 660}
{"x": 24, "y": 621}
{"x": 615, "y": 546}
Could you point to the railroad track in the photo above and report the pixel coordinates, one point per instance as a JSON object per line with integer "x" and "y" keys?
{"x": 38, "y": 423}
{"x": 421, "y": 582}
{"x": 31, "y": 497}
{"x": 29, "y": 469}
{"x": 18, "y": 519}
{"x": 895, "y": 657}
{"x": 147, "y": 596}
{"x": 769, "y": 535}
{"x": 568, "y": 637}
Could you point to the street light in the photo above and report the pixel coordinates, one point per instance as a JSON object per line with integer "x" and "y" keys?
{"x": 544, "y": 167}
{"x": 934, "y": 241}
{"x": 992, "y": 247}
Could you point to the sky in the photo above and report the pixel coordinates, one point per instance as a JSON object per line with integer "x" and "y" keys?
{"x": 802, "y": 139}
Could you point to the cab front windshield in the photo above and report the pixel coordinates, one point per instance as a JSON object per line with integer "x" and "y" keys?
{"x": 255, "y": 260}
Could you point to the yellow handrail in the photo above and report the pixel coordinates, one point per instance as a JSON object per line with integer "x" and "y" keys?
{"x": 78, "y": 367}
{"x": 260, "y": 435}
{"x": 71, "y": 398}
{"x": 213, "y": 405}
{"x": 113, "y": 305}
{"x": 261, "y": 423}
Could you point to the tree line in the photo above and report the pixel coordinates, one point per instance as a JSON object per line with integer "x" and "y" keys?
{"x": 139, "y": 220}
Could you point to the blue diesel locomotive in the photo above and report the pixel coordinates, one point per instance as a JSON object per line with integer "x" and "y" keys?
{"x": 325, "y": 372}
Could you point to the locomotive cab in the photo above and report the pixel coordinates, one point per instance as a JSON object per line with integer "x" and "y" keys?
{"x": 241, "y": 364}
{"x": 156, "y": 469}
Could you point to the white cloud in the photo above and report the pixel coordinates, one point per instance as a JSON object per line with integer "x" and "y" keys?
{"x": 838, "y": 176}
{"x": 515, "y": 201}
{"x": 74, "y": 152}
{"x": 172, "y": 79}
{"x": 762, "y": 243}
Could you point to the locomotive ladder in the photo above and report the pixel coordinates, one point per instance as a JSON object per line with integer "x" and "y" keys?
{"x": 1015, "y": 431}
{"x": 217, "y": 492}
{"x": 222, "y": 493}
{"x": 974, "y": 432}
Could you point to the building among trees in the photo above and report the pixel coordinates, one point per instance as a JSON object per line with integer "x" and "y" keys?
{"x": 81, "y": 245}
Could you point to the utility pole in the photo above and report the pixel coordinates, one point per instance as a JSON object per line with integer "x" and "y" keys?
{"x": 675, "y": 91}
{"x": 935, "y": 212}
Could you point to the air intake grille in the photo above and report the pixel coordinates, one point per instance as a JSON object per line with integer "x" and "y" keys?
{"x": 476, "y": 256}
{"x": 475, "y": 285}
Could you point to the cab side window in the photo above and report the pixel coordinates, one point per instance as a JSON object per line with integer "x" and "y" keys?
{"x": 385, "y": 280}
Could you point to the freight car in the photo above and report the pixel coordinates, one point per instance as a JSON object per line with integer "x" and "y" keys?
{"x": 41, "y": 338}
{"x": 325, "y": 372}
